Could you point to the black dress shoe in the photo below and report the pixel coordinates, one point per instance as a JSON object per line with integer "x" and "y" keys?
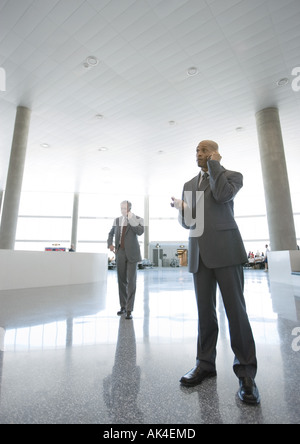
{"x": 121, "y": 312}
{"x": 129, "y": 315}
{"x": 248, "y": 392}
{"x": 196, "y": 376}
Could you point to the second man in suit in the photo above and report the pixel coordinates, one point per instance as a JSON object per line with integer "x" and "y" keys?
{"x": 123, "y": 241}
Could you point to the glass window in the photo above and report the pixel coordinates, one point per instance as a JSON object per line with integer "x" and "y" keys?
{"x": 107, "y": 206}
{"x": 94, "y": 229}
{"x": 48, "y": 229}
{"x": 160, "y": 206}
{"x": 248, "y": 205}
{"x": 167, "y": 230}
{"x": 46, "y": 218}
{"x": 46, "y": 204}
{"x": 253, "y": 228}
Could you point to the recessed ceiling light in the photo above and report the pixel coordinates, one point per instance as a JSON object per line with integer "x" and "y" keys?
{"x": 45, "y": 145}
{"x": 160, "y": 152}
{"x": 240, "y": 129}
{"x": 92, "y": 61}
{"x": 102, "y": 149}
{"x": 282, "y": 82}
{"x": 172, "y": 122}
{"x": 192, "y": 71}
{"x": 99, "y": 116}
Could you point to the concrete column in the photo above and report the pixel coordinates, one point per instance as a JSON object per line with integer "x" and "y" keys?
{"x": 1, "y": 197}
{"x": 14, "y": 179}
{"x": 2, "y": 337}
{"x": 146, "y": 233}
{"x": 276, "y": 183}
{"x": 75, "y": 220}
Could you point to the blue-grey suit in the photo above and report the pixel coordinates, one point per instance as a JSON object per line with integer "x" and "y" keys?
{"x": 127, "y": 257}
{"x": 216, "y": 257}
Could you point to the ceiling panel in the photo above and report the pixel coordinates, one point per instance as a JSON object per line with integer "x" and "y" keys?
{"x": 145, "y": 47}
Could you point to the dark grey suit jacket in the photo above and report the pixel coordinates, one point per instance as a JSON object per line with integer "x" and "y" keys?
{"x": 135, "y": 228}
{"x": 221, "y": 243}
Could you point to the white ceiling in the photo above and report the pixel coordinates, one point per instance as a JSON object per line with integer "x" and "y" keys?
{"x": 144, "y": 47}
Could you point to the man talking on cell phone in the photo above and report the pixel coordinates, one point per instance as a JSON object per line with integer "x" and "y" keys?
{"x": 216, "y": 256}
{"x": 124, "y": 232}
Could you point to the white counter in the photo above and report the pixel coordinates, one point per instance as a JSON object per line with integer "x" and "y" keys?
{"x": 282, "y": 264}
{"x": 32, "y": 269}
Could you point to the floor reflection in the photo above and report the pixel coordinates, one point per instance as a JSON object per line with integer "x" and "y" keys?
{"x": 121, "y": 388}
{"x": 69, "y": 359}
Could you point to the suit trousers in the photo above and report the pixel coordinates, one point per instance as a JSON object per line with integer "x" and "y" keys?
{"x": 231, "y": 284}
{"x": 127, "y": 275}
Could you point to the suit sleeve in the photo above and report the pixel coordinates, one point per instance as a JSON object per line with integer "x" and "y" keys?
{"x": 111, "y": 235}
{"x": 224, "y": 187}
{"x": 137, "y": 225}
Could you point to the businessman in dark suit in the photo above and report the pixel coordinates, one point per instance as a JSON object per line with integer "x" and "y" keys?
{"x": 124, "y": 233}
{"x": 216, "y": 256}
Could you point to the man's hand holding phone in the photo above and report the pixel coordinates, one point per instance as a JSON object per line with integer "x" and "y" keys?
{"x": 178, "y": 204}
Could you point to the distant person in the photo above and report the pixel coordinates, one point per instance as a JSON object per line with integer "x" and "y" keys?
{"x": 216, "y": 256}
{"x": 123, "y": 241}
{"x": 267, "y": 250}
{"x": 72, "y": 248}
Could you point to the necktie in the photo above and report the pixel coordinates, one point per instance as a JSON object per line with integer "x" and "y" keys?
{"x": 122, "y": 243}
{"x": 203, "y": 182}
{"x": 201, "y": 187}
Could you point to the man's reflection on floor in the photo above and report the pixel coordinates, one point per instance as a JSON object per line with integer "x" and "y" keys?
{"x": 121, "y": 388}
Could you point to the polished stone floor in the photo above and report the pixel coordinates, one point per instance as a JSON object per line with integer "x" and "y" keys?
{"x": 69, "y": 359}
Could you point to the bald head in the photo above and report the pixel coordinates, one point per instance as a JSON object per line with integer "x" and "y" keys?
{"x": 210, "y": 145}
{"x": 204, "y": 151}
